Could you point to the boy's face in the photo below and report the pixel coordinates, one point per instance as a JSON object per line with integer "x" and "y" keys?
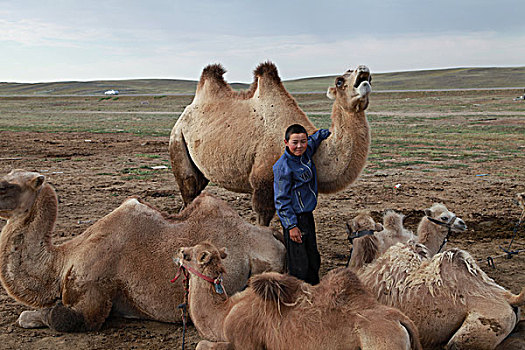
{"x": 297, "y": 144}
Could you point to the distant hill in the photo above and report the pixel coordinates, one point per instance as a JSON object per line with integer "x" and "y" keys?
{"x": 454, "y": 78}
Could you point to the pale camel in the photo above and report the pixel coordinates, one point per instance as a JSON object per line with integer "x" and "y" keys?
{"x": 122, "y": 263}
{"x": 383, "y": 236}
{"x": 451, "y": 300}
{"x": 433, "y": 231}
{"x": 233, "y": 139}
{"x": 279, "y": 311}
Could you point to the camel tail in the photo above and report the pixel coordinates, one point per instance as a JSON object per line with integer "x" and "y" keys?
{"x": 516, "y": 300}
{"x": 275, "y": 287}
{"x": 269, "y": 69}
{"x": 393, "y": 221}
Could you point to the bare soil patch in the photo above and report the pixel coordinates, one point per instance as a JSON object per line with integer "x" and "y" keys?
{"x": 94, "y": 173}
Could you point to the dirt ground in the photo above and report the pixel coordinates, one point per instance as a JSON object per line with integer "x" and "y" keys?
{"x": 94, "y": 173}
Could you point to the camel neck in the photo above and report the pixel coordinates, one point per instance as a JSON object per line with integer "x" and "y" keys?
{"x": 27, "y": 257}
{"x": 207, "y": 308}
{"x": 431, "y": 235}
{"x": 344, "y": 152}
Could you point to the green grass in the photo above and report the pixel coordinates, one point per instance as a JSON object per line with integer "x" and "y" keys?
{"x": 415, "y": 130}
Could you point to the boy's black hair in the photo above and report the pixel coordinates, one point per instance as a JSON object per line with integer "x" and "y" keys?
{"x": 294, "y": 129}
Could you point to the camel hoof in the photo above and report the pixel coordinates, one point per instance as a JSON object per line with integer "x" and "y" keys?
{"x": 30, "y": 319}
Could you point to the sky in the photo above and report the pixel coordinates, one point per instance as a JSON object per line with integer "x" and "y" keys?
{"x": 71, "y": 40}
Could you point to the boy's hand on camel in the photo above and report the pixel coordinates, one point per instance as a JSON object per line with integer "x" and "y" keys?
{"x": 295, "y": 235}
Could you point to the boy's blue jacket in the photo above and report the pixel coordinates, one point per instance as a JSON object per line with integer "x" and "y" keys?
{"x": 295, "y": 182}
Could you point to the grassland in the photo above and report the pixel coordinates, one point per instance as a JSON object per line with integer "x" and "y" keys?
{"x": 427, "y": 130}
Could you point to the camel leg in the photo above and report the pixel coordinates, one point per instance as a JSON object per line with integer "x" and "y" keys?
{"x": 262, "y": 197}
{"x": 190, "y": 179}
{"x": 208, "y": 345}
{"x": 88, "y": 311}
{"x": 387, "y": 335}
{"x": 482, "y": 330}
{"x": 63, "y": 319}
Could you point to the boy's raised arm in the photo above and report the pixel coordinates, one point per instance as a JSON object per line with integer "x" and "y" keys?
{"x": 315, "y": 140}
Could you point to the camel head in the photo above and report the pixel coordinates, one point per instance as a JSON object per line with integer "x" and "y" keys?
{"x": 352, "y": 89}
{"x": 440, "y": 213}
{"x": 364, "y": 222}
{"x": 18, "y": 191}
{"x": 205, "y": 257}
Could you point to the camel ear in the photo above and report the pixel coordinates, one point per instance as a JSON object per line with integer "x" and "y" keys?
{"x": 37, "y": 181}
{"x": 428, "y": 212}
{"x": 331, "y": 93}
{"x": 379, "y": 227}
{"x": 223, "y": 252}
{"x": 204, "y": 257}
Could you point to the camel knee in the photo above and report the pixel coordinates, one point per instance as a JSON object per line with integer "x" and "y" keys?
{"x": 64, "y": 319}
{"x": 479, "y": 334}
{"x": 31, "y": 319}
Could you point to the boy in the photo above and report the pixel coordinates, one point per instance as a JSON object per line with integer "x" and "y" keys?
{"x": 295, "y": 196}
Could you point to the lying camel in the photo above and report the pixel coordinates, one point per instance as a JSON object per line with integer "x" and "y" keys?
{"x": 450, "y": 299}
{"x": 234, "y": 138}
{"x": 123, "y": 262}
{"x": 433, "y": 231}
{"x": 383, "y": 236}
{"x": 279, "y": 311}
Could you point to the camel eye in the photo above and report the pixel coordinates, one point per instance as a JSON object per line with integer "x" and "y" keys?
{"x": 444, "y": 218}
{"x": 339, "y": 82}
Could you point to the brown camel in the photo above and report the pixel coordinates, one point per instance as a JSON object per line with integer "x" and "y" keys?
{"x": 279, "y": 311}
{"x": 450, "y": 299}
{"x": 233, "y": 139}
{"x": 122, "y": 263}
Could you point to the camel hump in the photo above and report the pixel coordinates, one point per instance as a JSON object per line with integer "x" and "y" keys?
{"x": 267, "y": 69}
{"x": 213, "y": 71}
{"x": 393, "y": 221}
{"x": 275, "y": 287}
{"x": 455, "y": 259}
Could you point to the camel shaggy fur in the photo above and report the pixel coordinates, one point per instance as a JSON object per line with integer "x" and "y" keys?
{"x": 122, "y": 263}
{"x": 433, "y": 231}
{"x": 450, "y": 299}
{"x": 279, "y": 311}
{"x": 384, "y": 236}
{"x": 234, "y": 138}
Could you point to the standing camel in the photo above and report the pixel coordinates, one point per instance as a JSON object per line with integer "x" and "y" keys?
{"x": 279, "y": 311}
{"x": 122, "y": 263}
{"x": 234, "y": 138}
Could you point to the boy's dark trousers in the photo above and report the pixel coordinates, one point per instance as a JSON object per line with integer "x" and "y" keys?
{"x": 303, "y": 259}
